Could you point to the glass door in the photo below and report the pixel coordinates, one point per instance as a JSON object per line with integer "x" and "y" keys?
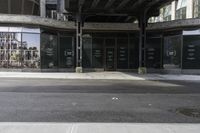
{"x": 172, "y": 52}
{"x": 110, "y": 54}
{"x": 66, "y": 52}
{"x": 110, "y": 57}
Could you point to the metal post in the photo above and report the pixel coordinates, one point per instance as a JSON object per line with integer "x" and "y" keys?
{"x": 79, "y": 43}
{"x": 142, "y": 48}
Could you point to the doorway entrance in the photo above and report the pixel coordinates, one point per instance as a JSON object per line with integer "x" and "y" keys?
{"x": 172, "y": 52}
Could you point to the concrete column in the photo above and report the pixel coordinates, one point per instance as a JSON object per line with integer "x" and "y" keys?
{"x": 142, "y": 43}
{"x": 42, "y": 8}
{"x": 189, "y": 10}
{"x": 79, "y": 41}
{"x": 61, "y": 9}
{"x": 61, "y": 6}
{"x": 173, "y": 10}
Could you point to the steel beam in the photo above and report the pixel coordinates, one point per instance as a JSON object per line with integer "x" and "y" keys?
{"x": 142, "y": 51}
{"x": 109, "y": 4}
{"x": 137, "y": 3}
{"x": 80, "y": 4}
{"x": 122, "y": 4}
{"x": 94, "y": 3}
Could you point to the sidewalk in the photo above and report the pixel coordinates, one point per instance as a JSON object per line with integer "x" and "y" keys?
{"x": 99, "y": 75}
{"x": 97, "y": 128}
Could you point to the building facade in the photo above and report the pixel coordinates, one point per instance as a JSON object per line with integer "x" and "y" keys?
{"x": 41, "y": 35}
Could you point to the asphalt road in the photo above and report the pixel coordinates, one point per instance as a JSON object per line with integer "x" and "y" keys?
{"x": 45, "y": 100}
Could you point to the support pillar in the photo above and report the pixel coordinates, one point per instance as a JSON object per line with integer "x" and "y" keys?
{"x": 142, "y": 49}
{"x": 79, "y": 46}
{"x": 43, "y": 8}
{"x": 60, "y": 9}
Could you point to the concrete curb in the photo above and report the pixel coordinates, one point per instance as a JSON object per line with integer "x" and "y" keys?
{"x": 98, "y": 75}
{"x": 98, "y": 128}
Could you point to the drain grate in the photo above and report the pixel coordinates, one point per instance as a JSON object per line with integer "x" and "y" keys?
{"x": 189, "y": 112}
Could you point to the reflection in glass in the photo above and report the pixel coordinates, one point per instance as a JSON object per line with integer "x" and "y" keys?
{"x": 10, "y": 50}
{"x": 196, "y": 8}
{"x": 31, "y": 50}
{"x": 49, "y": 51}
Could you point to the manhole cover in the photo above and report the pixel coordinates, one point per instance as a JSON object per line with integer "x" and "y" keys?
{"x": 189, "y": 112}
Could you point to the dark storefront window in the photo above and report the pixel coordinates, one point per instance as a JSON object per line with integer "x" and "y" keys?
{"x": 66, "y": 53}
{"x": 191, "y": 55}
{"x": 97, "y": 52}
{"x": 31, "y": 50}
{"x": 122, "y": 53}
{"x": 153, "y": 52}
{"x": 110, "y": 54}
{"x": 87, "y": 52}
{"x": 49, "y": 51}
{"x": 133, "y": 53}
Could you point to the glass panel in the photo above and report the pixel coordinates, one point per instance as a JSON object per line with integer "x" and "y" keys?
{"x": 153, "y": 52}
{"x": 4, "y": 6}
{"x": 134, "y": 53}
{"x": 196, "y": 8}
{"x": 110, "y": 42}
{"x": 181, "y": 4}
{"x": 191, "y": 55}
{"x": 31, "y": 30}
{"x": 110, "y": 57}
{"x": 15, "y": 29}
{"x": 181, "y": 13}
{"x": 4, "y": 29}
{"x": 122, "y": 53}
{"x": 16, "y": 6}
{"x": 66, "y": 52}
{"x": 31, "y": 50}
{"x": 172, "y": 52}
{"x": 10, "y": 51}
{"x": 97, "y": 52}
{"x": 49, "y": 51}
{"x": 87, "y": 52}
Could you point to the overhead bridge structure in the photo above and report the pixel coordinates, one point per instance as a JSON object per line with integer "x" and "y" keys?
{"x": 113, "y": 11}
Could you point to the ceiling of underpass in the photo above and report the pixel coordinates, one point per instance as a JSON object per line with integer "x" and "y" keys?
{"x": 113, "y": 10}
{"x": 27, "y": 7}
